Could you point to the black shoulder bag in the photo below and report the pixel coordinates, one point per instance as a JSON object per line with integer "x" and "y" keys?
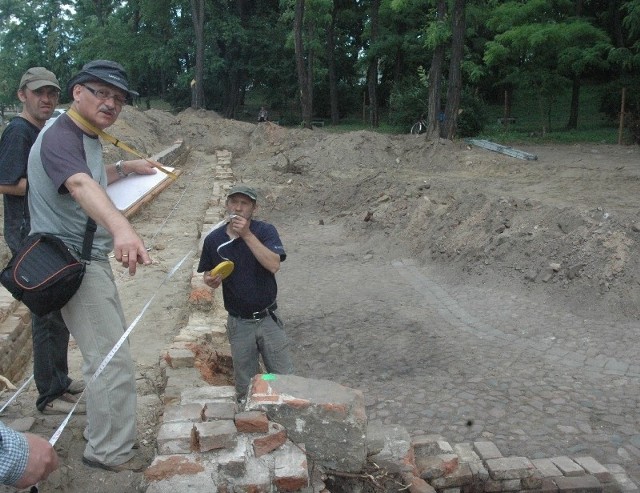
{"x": 44, "y": 274}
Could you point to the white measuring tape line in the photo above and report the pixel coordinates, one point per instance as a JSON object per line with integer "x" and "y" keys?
{"x": 16, "y": 394}
{"x": 109, "y": 357}
{"x": 220, "y": 224}
{"x": 113, "y": 351}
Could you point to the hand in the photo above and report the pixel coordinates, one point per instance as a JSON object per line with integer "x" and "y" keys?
{"x": 239, "y": 225}
{"x": 129, "y": 246}
{"x": 140, "y": 167}
{"x": 212, "y": 281}
{"x": 43, "y": 460}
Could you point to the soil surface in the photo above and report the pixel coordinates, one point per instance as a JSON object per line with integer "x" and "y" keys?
{"x": 467, "y": 293}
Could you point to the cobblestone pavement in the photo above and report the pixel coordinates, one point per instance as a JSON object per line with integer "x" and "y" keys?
{"x": 464, "y": 361}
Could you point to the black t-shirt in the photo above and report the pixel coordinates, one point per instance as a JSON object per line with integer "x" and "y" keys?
{"x": 15, "y": 144}
{"x": 250, "y": 287}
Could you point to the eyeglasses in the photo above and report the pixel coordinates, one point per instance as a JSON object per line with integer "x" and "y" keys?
{"x": 103, "y": 95}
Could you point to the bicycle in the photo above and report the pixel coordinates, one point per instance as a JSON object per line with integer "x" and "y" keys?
{"x": 419, "y": 127}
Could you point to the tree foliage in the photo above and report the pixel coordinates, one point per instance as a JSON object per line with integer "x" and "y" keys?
{"x": 243, "y": 53}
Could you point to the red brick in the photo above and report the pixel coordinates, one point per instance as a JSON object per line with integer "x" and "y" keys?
{"x": 265, "y": 444}
{"x": 252, "y": 422}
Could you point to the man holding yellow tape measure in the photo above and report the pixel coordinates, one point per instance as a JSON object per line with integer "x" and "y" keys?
{"x": 244, "y": 255}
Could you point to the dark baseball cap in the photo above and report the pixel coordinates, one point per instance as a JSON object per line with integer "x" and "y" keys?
{"x": 37, "y": 77}
{"x": 244, "y": 190}
{"x": 106, "y": 71}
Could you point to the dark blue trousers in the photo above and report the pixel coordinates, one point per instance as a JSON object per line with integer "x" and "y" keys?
{"x": 50, "y": 345}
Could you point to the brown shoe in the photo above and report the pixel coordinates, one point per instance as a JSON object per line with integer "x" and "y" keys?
{"x": 135, "y": 464}
{"x": 63, "y": 405}
{"x": 76, "y": 386}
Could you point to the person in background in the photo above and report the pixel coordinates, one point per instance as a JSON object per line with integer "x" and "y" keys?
{"x": 39, "y": 91}
{"x": 253, "y": 325}
{"x": 67, "y": 184}
{"x": 25, "y": 459}
{"x": 263, "y": 115}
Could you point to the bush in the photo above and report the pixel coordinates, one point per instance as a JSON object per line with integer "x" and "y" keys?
{"x": 407, "y": 102}
{"x": 473, "y": 117}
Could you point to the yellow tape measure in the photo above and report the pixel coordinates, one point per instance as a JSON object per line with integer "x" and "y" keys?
{"x": 223, "y": 269}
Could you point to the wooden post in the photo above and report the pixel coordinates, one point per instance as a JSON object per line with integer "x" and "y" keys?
{"x": 505, "y": 120}
{"x": 621, "y": 128}
{"x": 364, "y": 108}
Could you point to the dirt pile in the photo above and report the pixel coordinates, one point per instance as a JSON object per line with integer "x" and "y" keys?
{"x": 565, "y": 225}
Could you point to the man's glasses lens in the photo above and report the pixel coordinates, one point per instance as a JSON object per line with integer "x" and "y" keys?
{"x": 103, "y": 95}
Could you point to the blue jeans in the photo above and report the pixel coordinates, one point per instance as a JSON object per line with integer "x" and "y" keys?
{"x": 250, "y": 339}
{"x": 50, "y": 345}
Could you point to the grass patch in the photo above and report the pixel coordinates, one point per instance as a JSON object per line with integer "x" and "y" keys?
{"x": 593, "y": 126}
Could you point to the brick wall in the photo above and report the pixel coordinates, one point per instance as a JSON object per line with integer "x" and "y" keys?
{"x": 15, "y": 337}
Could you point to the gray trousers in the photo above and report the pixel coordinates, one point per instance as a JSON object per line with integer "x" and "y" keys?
{"x": 95, "y": 319}
{"x": 250, "y": 339}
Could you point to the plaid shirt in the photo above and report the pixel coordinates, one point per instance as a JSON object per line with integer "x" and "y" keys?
{"x": 14, "y": 453}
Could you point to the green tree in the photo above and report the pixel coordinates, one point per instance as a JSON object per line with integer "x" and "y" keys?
{"x": 542, "y": 46}
{"x": 32, "y": 33}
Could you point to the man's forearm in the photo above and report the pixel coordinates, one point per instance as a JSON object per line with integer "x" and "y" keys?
{"x": 268, "y": 259}
{"x": 19, "y": 189}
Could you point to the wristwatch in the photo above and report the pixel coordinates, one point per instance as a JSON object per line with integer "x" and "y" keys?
{"x": 119, "y": 169}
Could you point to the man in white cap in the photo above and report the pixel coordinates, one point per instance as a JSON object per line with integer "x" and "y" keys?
{"x": 67, "y": 185}
{"x": 39, "y": 92}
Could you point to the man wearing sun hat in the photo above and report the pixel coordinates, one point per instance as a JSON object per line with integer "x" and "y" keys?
{"x": 254, "y": 327}
{"x": 38, "y": 92}
{"x": 68, "y": 183}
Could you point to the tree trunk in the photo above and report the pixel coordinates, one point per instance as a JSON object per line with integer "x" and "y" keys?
{"x": 372, "y": 73}
{"x": 572, "y": 124}
{"x": 310, "y": 63}
{"x": 197, "y": 92}
{"x": 454, "y": 91}
{"x": 233, "y": 93}
{"x": 615, "y": 13}
{"x": 434, "y": 106}
{"x": 331, "y": 66}
{"x": 306, "y": 103}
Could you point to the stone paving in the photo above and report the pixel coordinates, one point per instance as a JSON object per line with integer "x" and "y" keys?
{"x": 466, "y": 362}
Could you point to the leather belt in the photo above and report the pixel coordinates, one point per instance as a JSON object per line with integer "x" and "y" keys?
{"x": 256, "y": 315}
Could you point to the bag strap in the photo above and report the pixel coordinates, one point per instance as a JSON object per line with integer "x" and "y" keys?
{"x": 88, "y": 239}
{"x": 89, "y": 231}
{"x": 116, "y": 142}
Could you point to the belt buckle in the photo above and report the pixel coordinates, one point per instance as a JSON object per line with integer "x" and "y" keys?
{"x": 256, "y": 315}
